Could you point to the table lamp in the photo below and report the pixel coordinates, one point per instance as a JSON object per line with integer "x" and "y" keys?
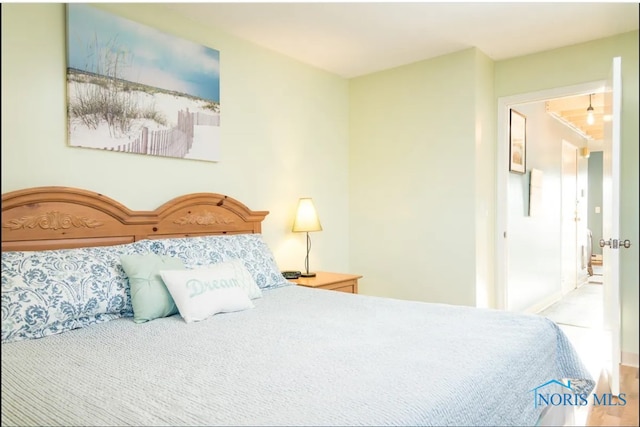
{"x": 306, "y": 221}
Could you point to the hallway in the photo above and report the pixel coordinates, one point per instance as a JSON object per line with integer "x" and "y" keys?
{"x": 582, "y": 307}
{"x": 580, "y": 315}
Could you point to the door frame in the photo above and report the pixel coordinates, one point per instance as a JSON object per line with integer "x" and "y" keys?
{"x": 504, "y": 104}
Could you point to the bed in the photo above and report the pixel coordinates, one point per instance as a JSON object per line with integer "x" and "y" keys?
{"x": 295, "y": 356}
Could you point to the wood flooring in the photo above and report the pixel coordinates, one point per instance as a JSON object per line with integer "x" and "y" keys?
{"x": 626, "y": 415}
{"x": 593, "y": 346}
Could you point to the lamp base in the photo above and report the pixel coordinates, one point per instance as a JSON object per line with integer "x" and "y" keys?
{"x": 310, "y": 274}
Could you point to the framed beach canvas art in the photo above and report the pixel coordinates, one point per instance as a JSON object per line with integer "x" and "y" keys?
{"x": 135, "y": 89}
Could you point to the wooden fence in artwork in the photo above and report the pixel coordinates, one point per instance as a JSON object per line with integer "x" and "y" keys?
{"x": 206, "y": 119}
{"x": 174, "y": 142}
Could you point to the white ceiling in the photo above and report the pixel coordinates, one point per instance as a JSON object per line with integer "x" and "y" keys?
{"x": 353, "y": 39}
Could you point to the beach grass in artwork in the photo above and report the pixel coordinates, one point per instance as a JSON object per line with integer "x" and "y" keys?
{"x": 134, "y": 89}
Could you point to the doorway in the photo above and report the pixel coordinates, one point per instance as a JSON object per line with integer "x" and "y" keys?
{"x": 566, "y": 183}
{"x": 611, "y": 116}
{"x": 506, "y": 226}
{"x": 546, "y": 248}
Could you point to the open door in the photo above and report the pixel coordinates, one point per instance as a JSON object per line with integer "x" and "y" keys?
{"x": 611, "y": 220}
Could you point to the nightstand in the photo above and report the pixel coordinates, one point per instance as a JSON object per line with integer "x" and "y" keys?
{"x": 332, "y": 281}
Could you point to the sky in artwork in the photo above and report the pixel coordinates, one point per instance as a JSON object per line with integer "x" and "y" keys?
{"x": 103, "y": 43}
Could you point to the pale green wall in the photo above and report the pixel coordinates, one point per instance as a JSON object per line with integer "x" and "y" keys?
{"x": 485, "y": 181}
{"x": 284, "y": 132}
{"x": 412, "y": 180}
{"x": 583, "y": 63}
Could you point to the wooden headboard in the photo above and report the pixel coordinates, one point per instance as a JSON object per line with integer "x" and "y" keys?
{"x": 63, "y": 217}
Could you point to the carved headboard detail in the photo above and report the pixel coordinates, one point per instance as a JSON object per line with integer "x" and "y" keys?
{"x": 64, "y": 217}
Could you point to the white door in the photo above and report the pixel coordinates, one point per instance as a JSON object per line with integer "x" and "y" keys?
{"x": 569, "y": 215}
{"x": 611, "y": 220}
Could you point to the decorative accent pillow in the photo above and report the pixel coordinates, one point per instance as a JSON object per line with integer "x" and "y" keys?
{"x": 150, "y": 298}
{"x": 251, "y": 249}
{"x": 245, "y": 280}
{"x": 203, "y": 292}
{"x": 49, "y": 292}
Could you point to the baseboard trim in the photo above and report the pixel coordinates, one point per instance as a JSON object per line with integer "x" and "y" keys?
{"x": 630, "y": 359}
{"x": 541, "y": 305}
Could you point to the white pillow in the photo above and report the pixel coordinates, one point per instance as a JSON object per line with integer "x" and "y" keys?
{"x": 203, "y": 292}
{"x": 245, "y": 279}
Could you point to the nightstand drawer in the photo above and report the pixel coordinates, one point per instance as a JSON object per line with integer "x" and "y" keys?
{"x": 349, "y": 286}
{"x": 330, "y": 281}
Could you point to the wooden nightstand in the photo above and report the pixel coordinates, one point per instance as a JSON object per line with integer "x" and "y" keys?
{"x": 332, "y": 281}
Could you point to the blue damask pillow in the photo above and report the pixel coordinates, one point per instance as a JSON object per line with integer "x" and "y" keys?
{"x": 205, "y": 250}
{"x": 49, "y": 292}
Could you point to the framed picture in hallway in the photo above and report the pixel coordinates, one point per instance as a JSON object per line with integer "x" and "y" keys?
{"x": 517, "y": 142}
{"x": 134, "y": 89}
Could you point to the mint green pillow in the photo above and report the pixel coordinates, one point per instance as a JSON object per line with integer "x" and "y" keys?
{"x": 150, "y": 298}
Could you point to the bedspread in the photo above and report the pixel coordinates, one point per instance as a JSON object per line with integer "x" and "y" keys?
{"x": 301, "y": 356}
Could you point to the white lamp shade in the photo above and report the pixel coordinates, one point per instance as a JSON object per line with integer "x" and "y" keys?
{"x": 306, "y": 216}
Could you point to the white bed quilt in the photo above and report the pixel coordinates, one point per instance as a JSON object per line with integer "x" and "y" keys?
{"x": 300, "y": 357}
